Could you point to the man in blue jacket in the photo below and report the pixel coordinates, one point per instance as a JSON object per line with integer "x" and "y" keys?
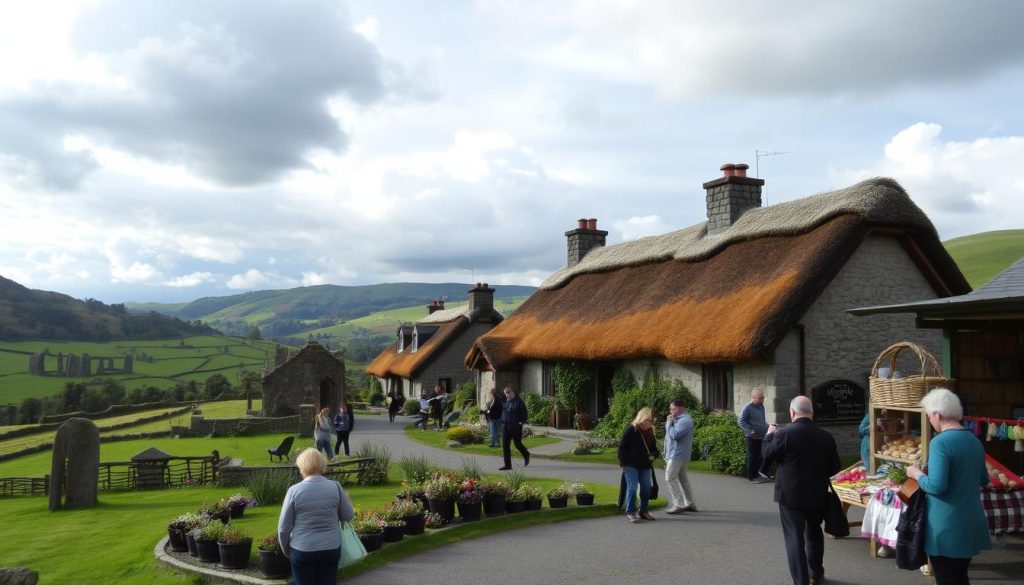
{"x": 513, "y": 417}
{"x": 678, "y": 446}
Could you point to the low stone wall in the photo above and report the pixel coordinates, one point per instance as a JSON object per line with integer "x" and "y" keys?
{"x": 243, "y": 426}
{"x": 846, "y": 435}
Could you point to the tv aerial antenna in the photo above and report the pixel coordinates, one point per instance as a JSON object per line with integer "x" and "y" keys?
{"x": 758, "y": 155}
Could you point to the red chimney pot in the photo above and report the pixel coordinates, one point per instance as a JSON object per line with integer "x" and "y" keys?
{"x": 728, "y": 169}
{"x": 741, "y": 170}
{"x": 592, "y": 223}
{"x": 581, "y": 223}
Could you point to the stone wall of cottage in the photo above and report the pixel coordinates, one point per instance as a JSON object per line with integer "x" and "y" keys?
{"x": 450, "y": 363}
{"x": 840, "y": 345}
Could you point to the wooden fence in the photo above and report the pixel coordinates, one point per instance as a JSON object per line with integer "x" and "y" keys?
{"x": 24, "y": 486}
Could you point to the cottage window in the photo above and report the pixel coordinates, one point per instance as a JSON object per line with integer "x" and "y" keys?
{"x": 547, "y": 380}
{"x": 717, "y": 382}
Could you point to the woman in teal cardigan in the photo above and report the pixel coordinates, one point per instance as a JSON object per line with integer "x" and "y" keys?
{"x": 955, "y": 524}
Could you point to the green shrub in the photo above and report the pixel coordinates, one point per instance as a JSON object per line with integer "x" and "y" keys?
{"x": 269, "y": 486}
{"x": 463, "y": 395}
{"x": 376, "y": 397}
{"x": 377, "y": 472}
{"x": 656, "y": 393}
{"x": 720, "y": 442}
{"x": 460, "y": 434}
{"x": 538, "y": 407}
{"x": 416, "y": 468}
{"x": 411, "y": 407}
{"x": 572, "y": 381}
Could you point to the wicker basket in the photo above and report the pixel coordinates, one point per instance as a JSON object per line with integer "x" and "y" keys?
{"x": 907, "y": 391}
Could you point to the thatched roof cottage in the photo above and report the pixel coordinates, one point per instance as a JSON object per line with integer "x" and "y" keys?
{"x": 752, "y": 297}
{"x": 431, "y": 351}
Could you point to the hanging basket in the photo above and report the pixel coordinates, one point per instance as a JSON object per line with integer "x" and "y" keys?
{"x": 905, "y": 392}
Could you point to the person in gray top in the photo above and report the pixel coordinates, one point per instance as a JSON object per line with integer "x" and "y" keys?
{"x": 754, "y": 426}
{"x": 678, "y": 446}
{"x": 308, "y": 526}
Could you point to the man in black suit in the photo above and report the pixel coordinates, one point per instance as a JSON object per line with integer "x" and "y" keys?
{"x": 806, "y": 456}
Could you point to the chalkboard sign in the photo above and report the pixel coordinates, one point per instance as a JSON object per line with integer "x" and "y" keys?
{"x": 838, "y": 400}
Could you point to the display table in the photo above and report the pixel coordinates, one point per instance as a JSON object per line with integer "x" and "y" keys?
{"x": 1004, "y": 511}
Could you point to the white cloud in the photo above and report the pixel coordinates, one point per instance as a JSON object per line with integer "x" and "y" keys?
{"x": 964, "y": 186}
{"x": 190, "y": 280}
{"x": 136, "y": 272}
{"x": 638, "y": 227}
{"x": 312, "y": 279}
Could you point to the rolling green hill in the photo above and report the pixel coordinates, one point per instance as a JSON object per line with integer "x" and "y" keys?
{"x": 291, "y": 312}
{"x": 38, "y": 314}
{"x": 982, "y": 256}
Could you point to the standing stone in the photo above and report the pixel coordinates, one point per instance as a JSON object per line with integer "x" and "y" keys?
{"x": 129, "y": 363}
{"x": 18, "y": 576}
{"x": 306, "y": 414}
{"x": 74, "y": 365}
{"x": 76, "y": 465}
{"x": 86, "y": 365}
{"x": 60, "y": 364}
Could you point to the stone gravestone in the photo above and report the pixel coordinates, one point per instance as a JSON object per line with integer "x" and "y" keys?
{"x": 306, "y": 414}
{"x": 18, "y": 576}
{"x": 76, "y": 465}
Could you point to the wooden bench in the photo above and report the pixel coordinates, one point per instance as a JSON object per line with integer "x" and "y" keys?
{"x": 347, "y": 471}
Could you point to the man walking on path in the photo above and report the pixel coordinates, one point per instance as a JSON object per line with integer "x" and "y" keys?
{"x": 807, "y": 457}
{"x": 678, "y": 446}
{"x": 513, "y": 418}
{"x": 754, "y": 426}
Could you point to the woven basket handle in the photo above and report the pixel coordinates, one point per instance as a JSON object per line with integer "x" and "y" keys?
{"x": 928, "y": 361}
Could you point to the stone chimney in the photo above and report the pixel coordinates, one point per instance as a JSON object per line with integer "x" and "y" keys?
{"x": 583, "y": 239}
{"x": 730, "y": 196}
{"x": 435, "y": 305}
{"x": 481, "y": 296}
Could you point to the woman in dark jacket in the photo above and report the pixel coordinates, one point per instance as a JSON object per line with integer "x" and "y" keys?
{"x": 492, "y": 411}
{"x": 638, "y": 449}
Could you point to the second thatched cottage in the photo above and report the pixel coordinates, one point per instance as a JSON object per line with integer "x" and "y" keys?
{"x": 752, "y": 297}
{"x": 430, "y": 351}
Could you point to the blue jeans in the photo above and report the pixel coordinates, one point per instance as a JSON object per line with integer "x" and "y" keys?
{"x": 495, "y": 428}
{"x": 641, "y": 478}
{"x": 326, "y": 447}
{"x": 318, "y": 567}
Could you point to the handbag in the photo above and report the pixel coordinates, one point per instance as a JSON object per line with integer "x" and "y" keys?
{"x": 352, "y": 549}
{"x": 836, "y": 523}
{"x": 654, "y": 475}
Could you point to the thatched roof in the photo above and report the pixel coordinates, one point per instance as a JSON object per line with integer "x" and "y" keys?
{"x": 696, "y": 299}
{"x": 446, "y": 325}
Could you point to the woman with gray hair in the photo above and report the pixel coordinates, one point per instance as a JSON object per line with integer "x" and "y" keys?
{"x": 955, "y": 524}
{"x": 308, "y": 527}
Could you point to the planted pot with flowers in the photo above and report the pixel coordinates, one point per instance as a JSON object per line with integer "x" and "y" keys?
{"x": 584, "y": 497}
{"x": 412, "y": 513}
{"x": 494, "y": 499}
{"x": 441, "y": 491}
{"x": 176, "y": 530}
{"x": 193, "y": 525}
{"x": 412, "y": 491}
{"x": 532, "y": 497}
{"x": 273, "y": 563}
{"x": 394, "y": 526}
{"x": 471, "y": 499}
{"x": 216, "y": 511}
{"x": 515, "y": 501}
{"x": 234, "y": 547}
{"x": 370, "y": 530}
{"x": 435, "y": 521}
{"x": 238, "y": 503}
{"x": 558, "y": 496}
{"x": 206, "y": 541}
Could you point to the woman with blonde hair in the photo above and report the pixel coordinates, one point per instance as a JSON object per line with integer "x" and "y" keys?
{"x": 638, "y": 449}
{"x": 322, "y": 425}
{"x": 955, "y": 529}
{"x": 308, "y": 527}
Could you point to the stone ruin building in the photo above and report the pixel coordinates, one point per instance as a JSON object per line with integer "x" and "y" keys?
{"x": 313, "y": 375}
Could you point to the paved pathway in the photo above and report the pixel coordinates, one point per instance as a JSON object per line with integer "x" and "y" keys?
{"x": 734, "y": 539}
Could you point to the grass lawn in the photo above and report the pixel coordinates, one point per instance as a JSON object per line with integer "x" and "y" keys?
{"x": 113, "y": 542}
{"x": 440, "y": 440}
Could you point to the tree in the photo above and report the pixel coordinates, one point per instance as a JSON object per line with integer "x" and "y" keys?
{"x": 254, "y": 333}
{"x": 30, "y": 411}
{"x": 216, "y": 385}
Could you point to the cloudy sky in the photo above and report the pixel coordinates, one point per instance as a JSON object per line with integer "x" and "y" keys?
{"x": 164, "y": 151}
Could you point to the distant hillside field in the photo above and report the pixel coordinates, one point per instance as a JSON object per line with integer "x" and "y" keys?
{"x": 982, "y": 256}
{"x": 158, "y": 363}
